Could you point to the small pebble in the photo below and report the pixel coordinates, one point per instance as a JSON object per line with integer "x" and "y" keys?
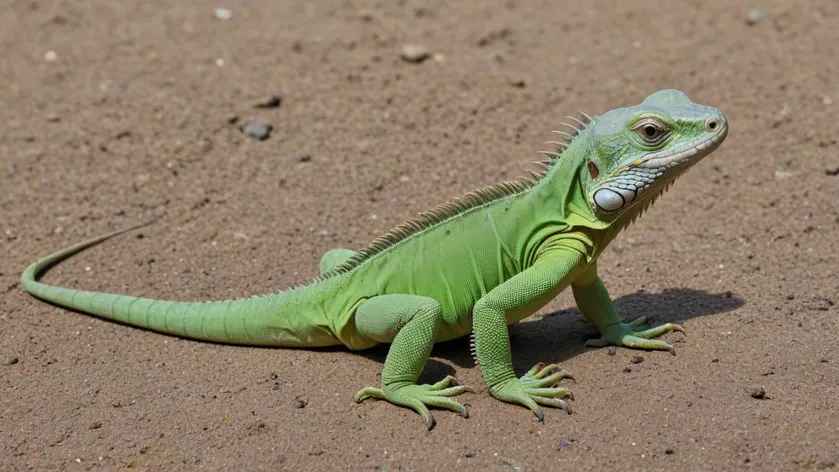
{"x": 832, "y": 170}
{"x": 627, "y": 370}
{"x": 258, "y": 130}
{"x": 759, "y": 393}
{"x": 12, "y": 361}
{"x": 415, "y": 53}
{"x": 753, "y": 17}
{"x": 517, "y": 82}
{"x": 223, "y": 14}
{"x": 637, "y": 359}
{"x": 50, "y": 56}
{"x": 304, "y": 158}
{"x": 231, "y": 117}
{"x": 273, "y": 101}
{"x": 366, "y": 16}
{"x": 612, "y": 350}
{"x": 300, "y": 402}
{"x": 669, "y": 451}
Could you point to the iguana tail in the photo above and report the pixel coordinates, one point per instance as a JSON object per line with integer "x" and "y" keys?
{"x": 284, "y": 319}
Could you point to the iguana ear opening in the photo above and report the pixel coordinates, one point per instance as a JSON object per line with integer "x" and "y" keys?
{"x": 593, "y": 170}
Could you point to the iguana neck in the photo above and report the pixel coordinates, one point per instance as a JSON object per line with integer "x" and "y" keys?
{"x": 562, "y": 191}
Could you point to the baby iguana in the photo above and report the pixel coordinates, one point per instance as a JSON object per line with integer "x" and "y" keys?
{"x": 473, "y": 265}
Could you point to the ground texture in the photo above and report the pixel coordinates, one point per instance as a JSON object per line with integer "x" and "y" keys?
{"x": 115, "y": 112}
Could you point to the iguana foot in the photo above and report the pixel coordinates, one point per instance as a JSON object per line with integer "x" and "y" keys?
{"x": 536, "y": 387}
{"x": 419, "y": 397}
{"x": 624, "y": 334}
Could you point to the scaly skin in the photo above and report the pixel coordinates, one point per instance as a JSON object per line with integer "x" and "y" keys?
{"x": 475, "y": 265}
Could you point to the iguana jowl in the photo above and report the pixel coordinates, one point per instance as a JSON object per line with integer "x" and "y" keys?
{"x": 473, "y": 265}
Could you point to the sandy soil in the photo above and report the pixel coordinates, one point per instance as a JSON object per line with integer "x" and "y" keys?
{"x": 113, "y": 112}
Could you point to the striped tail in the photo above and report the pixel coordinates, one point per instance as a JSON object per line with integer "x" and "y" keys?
{"x": 268, "y": 321}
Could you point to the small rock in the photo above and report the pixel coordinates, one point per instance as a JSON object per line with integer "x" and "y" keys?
{"x": 12, "y": 361}
{"x": 758, "y": 393}
{"x": 258, "y": 130}
{"x": 415, "y": 53}
{"x": 53, "y": 118}
{"x": 832, "y": 170}
{"x": 612, "y": 350}
{"x": 278, "y": 382}
{"x": 782, "y": 174}
{"x": 517, "y": 82}
{"x": 304, "y": 158}
{"x": 366, "y": 16}
{"x": 826, "y": 100}
{"x": 637, "y": 359}
{"x": 231, "y": 117}
{"x": 50, "y": 56}
{"x": 627, "y": 370}
{"x": 300, "y": 402}
{"x": 669, "y": 451}
{"x": 223, "y": 14}
{"x": 753, "y": 17}
{"x": 273, "y": 101}
{"x": 95, "y": 425}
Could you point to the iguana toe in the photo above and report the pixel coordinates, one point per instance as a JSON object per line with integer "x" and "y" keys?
{"x": 420, "y": 397}
{"x": 536, "y": 387}
{"x": 623, "y": 334}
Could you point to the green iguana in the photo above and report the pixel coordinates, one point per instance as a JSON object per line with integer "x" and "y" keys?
{"x": 473, "y": 265}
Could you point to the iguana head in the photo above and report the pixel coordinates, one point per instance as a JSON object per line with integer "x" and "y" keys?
{"x": 637, "y": 152}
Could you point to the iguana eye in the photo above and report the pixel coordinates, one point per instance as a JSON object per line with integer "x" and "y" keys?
{"x": 651, "y": 130}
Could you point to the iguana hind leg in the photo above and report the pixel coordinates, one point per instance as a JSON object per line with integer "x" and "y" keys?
{"x": 334, "y": 258}
{"x": 410, "y": 324}
{"x": 594, "y": 302}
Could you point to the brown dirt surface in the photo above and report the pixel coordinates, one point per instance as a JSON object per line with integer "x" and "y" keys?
{"x": 116, "y": 111}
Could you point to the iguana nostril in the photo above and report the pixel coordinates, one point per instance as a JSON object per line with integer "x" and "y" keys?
{"x": 712, "y": 124}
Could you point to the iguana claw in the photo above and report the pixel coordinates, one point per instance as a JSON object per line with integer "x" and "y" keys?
{"x": 623, "y": 334}
{"x": 536, "y": 387}
{"x": 419, "y": 397}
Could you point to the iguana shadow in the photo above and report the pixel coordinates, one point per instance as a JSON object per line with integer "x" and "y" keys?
{"x": 560, "y": 335}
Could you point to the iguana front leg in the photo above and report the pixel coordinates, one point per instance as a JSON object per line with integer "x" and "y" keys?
{"x": 533, "y": 287}
{"x": 410, "y": 324}
{"x": 594, "y": 302}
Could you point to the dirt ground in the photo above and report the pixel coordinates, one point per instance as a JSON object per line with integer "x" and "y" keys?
{"x": 115, "y": 112}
